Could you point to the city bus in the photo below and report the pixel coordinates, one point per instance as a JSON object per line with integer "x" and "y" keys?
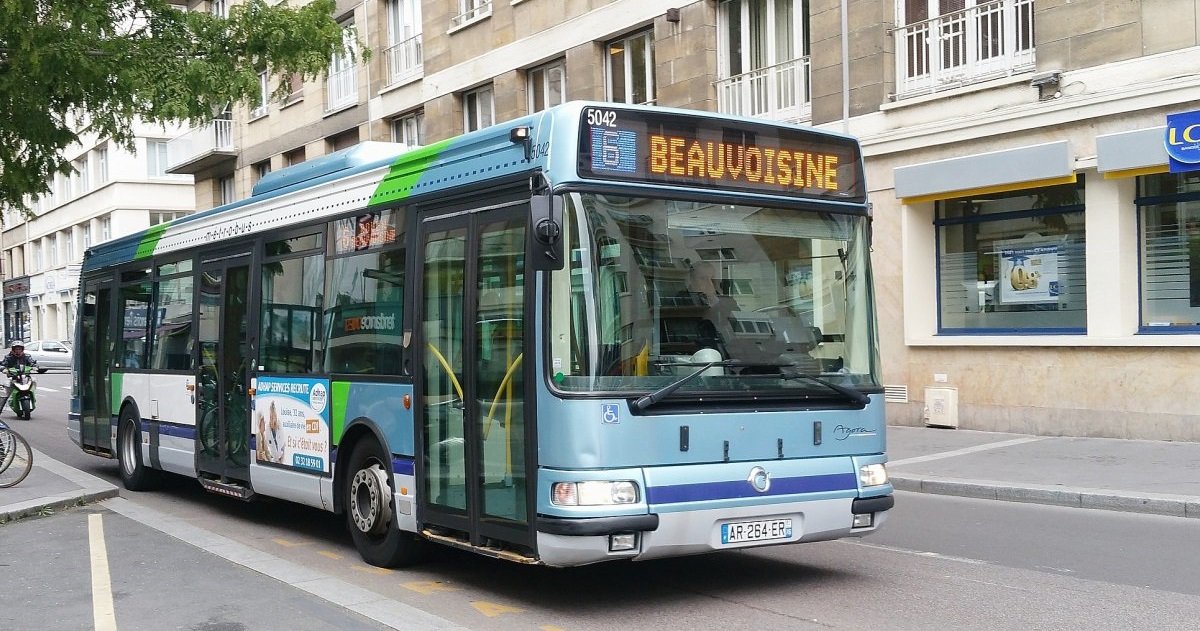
{"x": 597, "y": 332}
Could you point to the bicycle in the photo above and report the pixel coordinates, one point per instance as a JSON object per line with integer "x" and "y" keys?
{"x": 16, "y": 458}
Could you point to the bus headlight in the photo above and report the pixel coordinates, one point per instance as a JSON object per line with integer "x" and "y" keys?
{"x": 872, "y": 474}
{"x": 594, "y": 493}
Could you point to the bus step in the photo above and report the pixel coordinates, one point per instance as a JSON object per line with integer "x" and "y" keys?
{"x": 228, "y": 489}
{"x": 499, "y": 553}
{"x": 99, "y": 452}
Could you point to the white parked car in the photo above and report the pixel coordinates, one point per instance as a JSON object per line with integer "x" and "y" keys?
{"x": 50, "y": 354}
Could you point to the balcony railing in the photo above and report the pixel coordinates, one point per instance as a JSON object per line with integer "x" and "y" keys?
{"x": 201, "y": 147}
{"x": 478, "y": 10}
{"x": 987, "y": 41}
{"x": 404, "y": 59}
{"x": 341, "y": 89}
{"x": 779, "y": 92}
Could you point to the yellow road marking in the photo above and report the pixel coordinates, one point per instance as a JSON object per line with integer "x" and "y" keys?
{"x": 291, "y": 544}
{"x": 380, "y": 571}
{"x": 550, "y": 627}
{"x": 102, "y": 601}
{"x": 492, "y": 610}
{"x": 330, "y": 555}
{"x": 429, "y": 587}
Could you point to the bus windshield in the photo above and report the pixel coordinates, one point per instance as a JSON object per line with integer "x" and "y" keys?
{"x": 656, "y": 289}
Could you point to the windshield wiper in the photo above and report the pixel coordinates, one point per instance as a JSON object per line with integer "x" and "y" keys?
{"x": 850, "y": 393}
{"x": 641, "y": 403}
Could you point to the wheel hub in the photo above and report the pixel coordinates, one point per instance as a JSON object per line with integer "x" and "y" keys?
{"x": 370, "y": 507}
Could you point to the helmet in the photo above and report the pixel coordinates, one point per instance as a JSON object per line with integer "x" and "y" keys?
{"x": 16, "y": 345}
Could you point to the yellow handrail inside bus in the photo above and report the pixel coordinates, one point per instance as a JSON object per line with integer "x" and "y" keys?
{"x": 504, "y": 385}
{"x": 449, "y": 371}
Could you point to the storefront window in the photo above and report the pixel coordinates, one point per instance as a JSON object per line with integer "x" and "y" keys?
{"x": 1169, "y": 216}
{"x": 1013, "y": 263}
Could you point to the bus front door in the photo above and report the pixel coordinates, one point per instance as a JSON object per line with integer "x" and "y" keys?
{"x": 476, "y": 440}
{"x": 222, "y": 430}
{"x": 95, "y": 345}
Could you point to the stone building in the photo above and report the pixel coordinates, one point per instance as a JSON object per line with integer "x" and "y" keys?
{"x": 1034, "y": 257}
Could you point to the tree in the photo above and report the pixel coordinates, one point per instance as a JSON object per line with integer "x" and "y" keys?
{"x": 96, "y": 66}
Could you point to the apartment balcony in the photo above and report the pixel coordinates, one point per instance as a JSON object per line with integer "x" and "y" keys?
{"x": 341, "y": 89}
{"x": 202, "y": 148}
{"x": 475, "y": 10}
{"x": 404, "y": 60}
{"x": 987, "y": 41}
{"x": 780, "y": 92}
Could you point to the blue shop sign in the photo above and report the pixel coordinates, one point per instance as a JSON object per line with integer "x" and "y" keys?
{"x": 1183, "y": 141}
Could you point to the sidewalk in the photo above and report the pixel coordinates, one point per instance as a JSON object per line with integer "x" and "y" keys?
{"x": 1105, "y": 473}
{"x": 50, "y": 487}
{"x": 1143, "y": 476}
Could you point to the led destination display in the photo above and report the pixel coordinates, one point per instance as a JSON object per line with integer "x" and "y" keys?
{"x": 617, "y": 144}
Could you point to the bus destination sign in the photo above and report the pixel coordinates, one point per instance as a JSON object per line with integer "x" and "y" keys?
{"x": 616, "y": 144}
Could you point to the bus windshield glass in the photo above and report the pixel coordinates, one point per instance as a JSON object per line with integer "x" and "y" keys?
{"x": 656, "y": 289}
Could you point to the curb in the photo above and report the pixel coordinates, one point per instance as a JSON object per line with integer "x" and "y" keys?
{"x": 1102, "y": 499}
{"x": 92, "y": 489}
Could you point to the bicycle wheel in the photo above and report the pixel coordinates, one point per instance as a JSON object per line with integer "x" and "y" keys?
{"x": 16, "y": 458}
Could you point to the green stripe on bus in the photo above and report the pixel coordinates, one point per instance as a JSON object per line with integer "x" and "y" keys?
{"x": 340, "y": 391}
{"x": 150, "y": 241}
{"x": 405, "y": 173}
{"x": 117, "y": 388}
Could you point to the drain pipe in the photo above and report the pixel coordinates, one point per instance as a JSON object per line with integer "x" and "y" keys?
{"x": 845, "y": 69}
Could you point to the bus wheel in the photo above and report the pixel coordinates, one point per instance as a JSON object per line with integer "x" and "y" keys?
{"x": 134, "y": 474}
{"x": 370, "y": 510}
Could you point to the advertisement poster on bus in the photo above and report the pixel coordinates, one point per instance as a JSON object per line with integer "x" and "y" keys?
{"x": 1029, "y": 275}
{"x": 291, "y": 423}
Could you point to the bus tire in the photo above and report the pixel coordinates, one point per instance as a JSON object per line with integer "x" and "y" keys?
{"x": 135, "y": 475}
{"x": 370, "y": 510}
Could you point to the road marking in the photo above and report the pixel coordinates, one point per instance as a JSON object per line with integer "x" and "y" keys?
{"x": 492, "y": 610}
{"x": 102, "y": 600}
{"x": 290, "y": 544}
{"x": 550, "y": 627}
{"x": 965, "y": 451}
{"x": 918, "y": 553}
{"x": 330, "y": 555}
{"x": 44, "y": 389}
{"x": 428, "y": 587}
{"x": 369, "y": 569}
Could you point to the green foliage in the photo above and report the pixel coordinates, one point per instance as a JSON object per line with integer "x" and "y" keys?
{"x": 95, "y": 67}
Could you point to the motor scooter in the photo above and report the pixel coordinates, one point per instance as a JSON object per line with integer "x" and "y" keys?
{"x": 21, "y": 390}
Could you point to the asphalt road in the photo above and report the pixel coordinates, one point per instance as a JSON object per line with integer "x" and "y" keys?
{"x": 939, "y": 563}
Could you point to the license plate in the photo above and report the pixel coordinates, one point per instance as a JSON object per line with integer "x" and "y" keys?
{"x": 762, "y": 530}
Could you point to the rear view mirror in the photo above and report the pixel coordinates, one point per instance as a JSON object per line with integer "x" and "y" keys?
{"x": 545, "y": 229}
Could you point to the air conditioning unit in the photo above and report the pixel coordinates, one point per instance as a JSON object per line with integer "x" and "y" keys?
{"x": 941, "y": 407}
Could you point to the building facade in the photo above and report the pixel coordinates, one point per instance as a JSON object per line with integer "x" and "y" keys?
{"x": 1034, "y": 256}
{"x": 113, "y": 192}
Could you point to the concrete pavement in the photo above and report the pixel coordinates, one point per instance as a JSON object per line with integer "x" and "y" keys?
{"x": 1102, "y": 473}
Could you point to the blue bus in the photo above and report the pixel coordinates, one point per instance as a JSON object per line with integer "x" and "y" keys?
{"x": 597, "y": 332}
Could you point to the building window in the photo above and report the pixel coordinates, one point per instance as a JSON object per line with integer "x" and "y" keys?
{"x": 156, "y": 158}
{"x": 344, "y": 140}
{"x": 631, "y": 69}
{"x": 342, "y": 85}
{"x": 1169, "y": 217}
{"x": 404, "y": 55}
{"x": 296, "y": 83}
{"x": 471, "y": 10}
{"x": 409, "y": 129}
{"x": 1013, "y": 263}
{"x": 261, "y": 169}
{"x": 87, "y": 235}
{"x": 69, "y": 233}
{"x": 101, "y": 165}
{"x": 945, "y": 43}
{"x": 225, "y": 190}
{"x": 547, "y": 85}
{"x": 293, "y": 157}
{"x": 105, "y": 228}
{"x": 157, "y": 217}
{"x": 479, "y": 109}
{"x": 81, "y": 177}
{"x": 264, "y": 96}
{"x": 53, "y": 247}
{"x": 220, "y": 8}
{"x": 763, "y": 59}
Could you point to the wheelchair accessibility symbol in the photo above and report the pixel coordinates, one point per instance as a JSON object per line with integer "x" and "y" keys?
{"x": 611, "y": 415}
